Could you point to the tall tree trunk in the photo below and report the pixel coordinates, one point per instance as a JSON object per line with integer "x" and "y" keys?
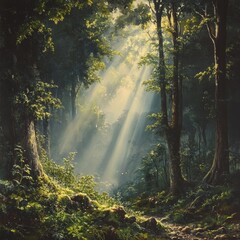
{"x": 173, "y": 130}
{"x": 220, "y": 165}
{"x": 176, "y": 179}
{"x": 7, "y": 124}
{"x": 173, "y": 133}
{"x": 29, "y": 145}
{"x": 73, "y": 98}
{"x": 46, "y": 133}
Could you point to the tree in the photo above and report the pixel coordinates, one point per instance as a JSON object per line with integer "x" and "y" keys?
{"x": 171, "y": 124}
{"x": 22, "y": 94}
{"x": 218, "y": 34}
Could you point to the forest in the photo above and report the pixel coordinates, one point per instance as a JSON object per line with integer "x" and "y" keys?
{"x": 119, "y": 119}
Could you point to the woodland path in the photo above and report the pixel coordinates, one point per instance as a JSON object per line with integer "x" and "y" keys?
{"x": 182, "y": 232}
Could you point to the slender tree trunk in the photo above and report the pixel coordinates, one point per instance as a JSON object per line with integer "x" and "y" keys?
{"x": 220, "y": 165}
{"x": 176, "y": 179}
{"x": 173, "y": 130}
{"x": 46, "y": 133}
{"x": 73, "y": 98}
{"x": 177, "y": 182}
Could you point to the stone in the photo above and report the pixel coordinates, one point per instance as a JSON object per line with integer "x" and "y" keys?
{"x": 186, "y": 230}
{"x": 120, "y": 212}
{"x": 80, "y": 201}
{"x": 131, "y": 219}
{"x": 221, "y": 237}
{"x": 151, "y": 223}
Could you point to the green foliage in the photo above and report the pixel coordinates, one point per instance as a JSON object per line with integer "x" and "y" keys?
{"x": 150, "y": 177}
{"x": 40, "y": 14}
{"x": 157, "y": 119}
{"x": 36, "y": 26}
{"x": 50, "y": 211}
{"x": 36, "y": 100}
{"x": 63, "y": 174}
{"x": 139, "y": 15}
{"x": 208, "y": 74}
{"x": 192, "y": 26}
{"x": 21, "y": 171}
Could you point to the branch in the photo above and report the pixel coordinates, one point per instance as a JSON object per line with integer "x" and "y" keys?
{"x": 150, "y": 6}
{"x": 204, "y": 17}
{"x": 210, "y": 32}
{"x": 200, "y": 14}
{"x": 151, "y": 38}
{"x": 211, "y": 35}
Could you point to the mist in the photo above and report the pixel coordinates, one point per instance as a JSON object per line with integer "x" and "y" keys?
{"x": 109, "y": 131}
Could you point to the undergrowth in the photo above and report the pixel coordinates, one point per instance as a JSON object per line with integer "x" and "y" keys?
{"x": 207, "y": 207}
{"x": 62, "y": 205}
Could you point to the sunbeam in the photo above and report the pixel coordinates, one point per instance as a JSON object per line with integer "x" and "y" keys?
{"x": 109, "y": 128}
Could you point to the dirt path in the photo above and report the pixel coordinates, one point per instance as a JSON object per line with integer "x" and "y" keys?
{"x": 181, "y": 232}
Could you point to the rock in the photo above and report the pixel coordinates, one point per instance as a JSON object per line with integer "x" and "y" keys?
{"x": 80, "y": 201}
{"x": 186, "y": 230}
{"x": 111, "y": 234}
{"x": 235, "y": 217}
{"x": 120, "y": 212}
{"x": 131, "y": 219}
{"x": 198, "y": 234}
{"x": 197, "y": 230}
{"x": 220, "y": 230}
{"x": 151, "y": 224}
{"x": 196, "y": 203}
{"x": 3, "y": 199}
{"x": 137, "y": 227}
{"x": 114, "y": 216}
{"x": 222, "y": 237}
{"x": 174, "y": 238}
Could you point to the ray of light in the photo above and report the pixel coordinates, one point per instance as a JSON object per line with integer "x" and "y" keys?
{"x": 122, "y": 99}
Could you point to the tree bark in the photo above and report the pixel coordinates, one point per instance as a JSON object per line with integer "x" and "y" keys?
{"x": 176, "y": 180}
{"x": 29, "y": 145}
{"x": 7, "y": 124}
{"x": 173, "y": 130}
{"x": 73, "y": 98}
{"x": 220, "y": 165}
{"x": 46, "y": 133}
{"x": 16, "y": 73}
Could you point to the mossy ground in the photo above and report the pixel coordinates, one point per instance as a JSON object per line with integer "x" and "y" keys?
{"x": 210, "y": 212}
{"x": 49, "y": 211}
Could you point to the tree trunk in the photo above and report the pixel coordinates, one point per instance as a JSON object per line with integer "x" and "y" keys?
{"x": 176, "y": 180}
{"x": 46, "y": 133}
{"x": 220, "y": 165}
{"x": 73, "y": 98}
{"x": 29, "y": 145}
{"x": 173, "y": 133}
{"x": 17, "y": 72}
{"x": 173, "y": 130}
{"x": 7, "y": 124}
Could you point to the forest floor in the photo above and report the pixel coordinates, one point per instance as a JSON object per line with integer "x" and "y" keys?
{"x": 49, "y": 211}
{"x": 191, "y": 232}
{"x": 177, "y": 231}
{"x": 204, "y": 212}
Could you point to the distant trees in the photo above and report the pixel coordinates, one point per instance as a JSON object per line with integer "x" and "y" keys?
{"x": 27, "y": 71}
{"x": 214, "y": 15}
{"x": 24, "y": 97}
{"x": 30, "y": 72}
